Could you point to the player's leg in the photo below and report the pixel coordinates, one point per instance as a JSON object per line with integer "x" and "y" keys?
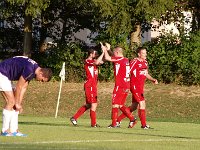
{"x": 83, "y": 108}
{"x": 129, "y": 115}
{"x": 93, "y": 101}
{"x": 125, "y": 110}
{"x": 8, "y": 95}
{"x": 14, "y": 121}
{"x": 135, "y": 100}
{"x": 122, "y": 116}
{"x": 131, "y": 108}
{"x": 122, "y": 107}
{"x": 139, "y": 98}
{"x": 115, "y": 107}
{"x": 7, "y": 112}
{"x": 79, "y": 113}
{"x": 142, "y": 113}
{"x": 114, "y": 115}
{"x": 93, "y": 115}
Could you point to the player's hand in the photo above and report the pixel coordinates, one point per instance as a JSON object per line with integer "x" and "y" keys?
{"x": 108, "y": 46}
{"x": 103, "y": 48}
{"x": 19, "y": 108}
{"x": 155, "y": 81}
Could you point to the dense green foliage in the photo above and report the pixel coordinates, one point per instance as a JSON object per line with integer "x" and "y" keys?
{"x": 60, "y": 19}
{"x": 175, "y": 61}
{"x": 32, "y": 7}
{"x": 170, "y": 60}
{"x": 72, "y": 54}
{"x": 114, "y": 20}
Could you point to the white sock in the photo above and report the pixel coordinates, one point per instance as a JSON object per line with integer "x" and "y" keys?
{"x": 6, "y": 117}
{"x": 14, "y": 121}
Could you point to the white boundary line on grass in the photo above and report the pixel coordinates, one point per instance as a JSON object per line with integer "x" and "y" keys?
{"x": 97, "y": 141}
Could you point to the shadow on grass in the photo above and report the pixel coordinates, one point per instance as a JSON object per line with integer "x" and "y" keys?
{"x": 41, "y": 123}
{"x": 53, "y": 124}
{"x": 142, "y": 134}
{"x": 107, "y": 130}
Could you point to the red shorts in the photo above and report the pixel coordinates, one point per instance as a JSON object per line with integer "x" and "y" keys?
{"x": 137, "y": 95}
{"x": 90, "y": 94}
{"x": 119, "y": 95}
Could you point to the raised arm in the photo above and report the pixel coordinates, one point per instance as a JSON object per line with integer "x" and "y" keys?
{"x": 99, "y": 60}
{"x": 105, "y": 49}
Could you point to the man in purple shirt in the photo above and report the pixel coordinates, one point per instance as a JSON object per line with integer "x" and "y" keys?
{"x": 21, "y": 69}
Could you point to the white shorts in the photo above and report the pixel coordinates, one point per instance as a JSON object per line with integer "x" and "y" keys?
{"x": 5, "y": 83}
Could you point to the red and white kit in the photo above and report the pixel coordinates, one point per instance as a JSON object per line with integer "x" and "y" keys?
{"x": 90, "y": 85}
{"x": 138, "y": 71}
{"x": 122, "y": 80}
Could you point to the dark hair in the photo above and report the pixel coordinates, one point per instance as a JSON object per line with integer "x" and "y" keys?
{"x": 138, "y": 50}
{"x": 47, "y": 73}
{"x": 91, "y": 50}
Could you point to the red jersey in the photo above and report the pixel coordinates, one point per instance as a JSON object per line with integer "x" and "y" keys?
{"x": 121, "y": 72}
{"x": 138, "y": 71}
{"x": 91, "y": 72}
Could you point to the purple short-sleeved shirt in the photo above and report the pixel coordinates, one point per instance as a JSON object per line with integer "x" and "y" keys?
{"x": 18, "y": 66}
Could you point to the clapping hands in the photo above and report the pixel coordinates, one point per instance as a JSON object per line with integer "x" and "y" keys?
{"x": 105, "y": 47}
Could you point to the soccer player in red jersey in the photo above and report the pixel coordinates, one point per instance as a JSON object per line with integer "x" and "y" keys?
{"x": 139, "y": 73}
{"x": 90, "y": 87}
{"x": 122, "y": 84}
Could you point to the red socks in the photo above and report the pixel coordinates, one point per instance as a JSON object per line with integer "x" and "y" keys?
{"x": 93, "y": 117}
{"x": 122, "y": 116}
{"x": 80, "y": 112}
{"x": 142, "y": 115}
{"x": 114, "y": 116}
{"x": 126, "y": 111}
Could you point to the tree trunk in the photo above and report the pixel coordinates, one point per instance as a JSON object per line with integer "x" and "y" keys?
{"x": 43, "y": 35}
{"x": 27, "y": 44}
{"x": 63, "y": 31}
{"x": 136, "y": 36}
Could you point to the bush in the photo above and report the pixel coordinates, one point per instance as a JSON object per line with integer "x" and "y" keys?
{"x": 72, "y": 54}
{"x": 170, "y": 61}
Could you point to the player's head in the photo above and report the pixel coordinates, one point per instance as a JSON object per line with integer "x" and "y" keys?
{"x": 142, "y": 52}
{"x": 43, "y": 74}
{"x": 92, "y": 53}
{"x": 118, "y": 51}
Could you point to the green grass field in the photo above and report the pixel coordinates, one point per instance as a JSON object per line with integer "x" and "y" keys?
{"x": 50, "y": 133}
{"x": 172, "y": 110}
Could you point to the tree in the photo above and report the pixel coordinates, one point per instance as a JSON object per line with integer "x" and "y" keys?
{"x": 63, "y": 18}
{"x": 10, "y": 29}
{"x": 194, "y": 7}
{"x": 128, "y": 16}
{"x": 32, "y": 8}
